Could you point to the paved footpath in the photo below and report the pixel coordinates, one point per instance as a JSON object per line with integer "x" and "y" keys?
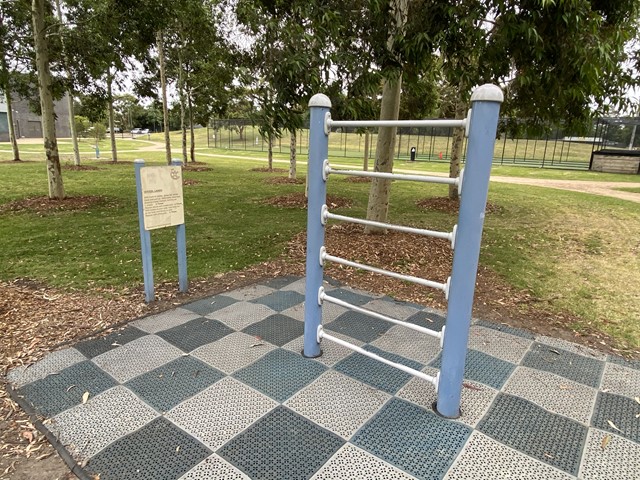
{"x": 218, "y": 389}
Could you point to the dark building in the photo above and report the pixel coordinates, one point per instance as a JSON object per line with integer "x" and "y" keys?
{"x": 29, "y": 125}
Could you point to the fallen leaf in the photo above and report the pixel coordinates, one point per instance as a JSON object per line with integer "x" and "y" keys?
{"x": 565, "y": 387}
{"x": 471, "y": 387}
{"x": 178, "y": 448}
{"x": 637, "y": 399}
{"x": 70, "y": 387}
{"x": 85, "y": 397}
{"x": 28, "y": 435}
{"x": 605, "y": 441}
{"x": 256, "y": 345}
{"x": 554, "y": 351}
{"x": 613, "y": 425}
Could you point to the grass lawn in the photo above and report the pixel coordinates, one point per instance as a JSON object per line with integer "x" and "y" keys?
{"x": 573, "y": 251}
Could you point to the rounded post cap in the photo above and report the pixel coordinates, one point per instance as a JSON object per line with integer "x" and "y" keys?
{"x": 488, "y": 93}
{"x": 320, "y": 100}
{"x": 138, "y": 160}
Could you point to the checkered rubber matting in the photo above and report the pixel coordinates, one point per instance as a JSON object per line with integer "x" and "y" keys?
{"x": 217, "y": 388}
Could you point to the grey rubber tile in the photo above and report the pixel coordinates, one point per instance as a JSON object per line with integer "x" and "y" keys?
{"x": 358, "y": 325}
{"x": 277, "y": 329}
{"x": 483, "y": 368}
{"x": 617, "y": 414}
{"x": 211, "y": 304}
{"x": 564, "y": 363}
{"x": 53, "y": 363}
{"x": 195, "y": 333}
{"x": 97, "y": 346}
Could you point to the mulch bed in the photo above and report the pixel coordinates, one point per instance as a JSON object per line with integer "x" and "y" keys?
{"x": 119, "y": 162}
{"x": 298, "y": 200}
{"x": 449, "y": 205}
{"x": 267, "y": 170}
{"x": 357, "y": 179}
{"x": 196, "y": 167}
{"x": 284, "y": 181}
{"x": 79, "y": 167}
{"x": 42, "y": 204}
{"x": 188, "y": 182}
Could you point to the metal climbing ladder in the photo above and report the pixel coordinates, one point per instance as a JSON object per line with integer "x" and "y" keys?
{"x": 473, "y": 185}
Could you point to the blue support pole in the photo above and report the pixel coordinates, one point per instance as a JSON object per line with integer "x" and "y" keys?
{"x": 181, "y": 243}
{"x": 485, "y": 103}
{"x": 318, "y": 153}
{"x": 145, "y": 238}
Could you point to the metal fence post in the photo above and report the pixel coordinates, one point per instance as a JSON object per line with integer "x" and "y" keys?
{"x": 181, "y": 245}
{"x": 145, "y": 238}
{"x": 485, "y": 111}
{"x": 318, "y": 153}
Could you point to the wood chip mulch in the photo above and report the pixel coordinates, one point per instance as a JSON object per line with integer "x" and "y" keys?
{"x": 41, "y": 205}
{"x": 298, "y": 200}
{"x": 195, "y": 168}
{"x": 449, "y": 205}
{"x": 357, "y": 179}
{"x": 79, "y": 167}
{"x": 284, "y": 181}
{"x": 267, "y": 170}
{"x": 188, "y": 182}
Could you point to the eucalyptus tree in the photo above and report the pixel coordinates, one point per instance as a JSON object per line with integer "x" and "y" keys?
{"x": 286, "y": 62}
{"x": 200, "y": 62}
{"x": 41, "y": 16}
{"x": 15, "y": 51}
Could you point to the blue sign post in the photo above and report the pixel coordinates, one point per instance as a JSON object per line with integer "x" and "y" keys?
{"x": 161, "y": 210}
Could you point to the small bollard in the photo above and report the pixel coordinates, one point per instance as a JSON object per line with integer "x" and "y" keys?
{"x": 97, "y": 151}
{"x": 413, "y": 154}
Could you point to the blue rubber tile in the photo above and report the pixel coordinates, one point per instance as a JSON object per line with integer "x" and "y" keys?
{"x": 97, "y": 346}
{"x": 360, "y": 326}
{"x": 280, "y": 373}
{"x": 519, "y": 332}
{"x": 280, "y": 300}
{"x": 523, "y": 425}
{"x": 168, "y": 385}
{"x": 621, "y": 411}
{"x": 625, "y": 362}
{"x": 277, "y": 329}
{"x": 483, "y": 368}
{"x": 332, "y": 282}
{"x": 279, "y": 282}
{"x": 414, "y": 439}
{"x": 350, "y": 297}
{"x": 195, "y": 333}
{"x": 59, "y": 392}
{"x": 569, "y": 365}
{"x": 210, "y": 304}
{"x": 281, "y": 446}
{"x": 377, "y": 374}
{"x": 429, "y": 320}
{"x": 159, "y": 450}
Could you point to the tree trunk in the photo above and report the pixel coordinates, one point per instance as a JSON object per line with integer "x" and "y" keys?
{"x": 12, "y": 131}
{"x": 270, "y": 152}
{"x": 112, "y": 133}
{"x": 456, "y": 149}
{"x": 72, "y": 119}
{"x": 192, "y": 145}
{"x": 367, "y": 140}
{"x": 165, "y": 108}
{"x": 292, "y": 155}
{"x": 378, "y": 206}
{"x": 183, "y": 123}
{"x": 54, "y": 174}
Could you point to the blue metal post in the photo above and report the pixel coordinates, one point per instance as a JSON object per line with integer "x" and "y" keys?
{"x": 145, "y": 238}
{"x": 485, "y": 103}
{"x": 318, "y": 153}
{"x": 181, "y": 243}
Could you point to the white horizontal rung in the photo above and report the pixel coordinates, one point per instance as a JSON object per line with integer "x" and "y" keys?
{"x": 398, "y": 228}
{"x": 399, "y": 366}
{"x": 395, "y": 176}
{"x": 409, "y": 278}
{"x": 364, "y": 311}
{"x": 397, "y": 123}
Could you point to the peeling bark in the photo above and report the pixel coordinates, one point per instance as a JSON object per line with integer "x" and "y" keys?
{"x": 292, "y": 155}
{"x": 378, "y": 206}
{"x": 54, "y": 174}
{"x": 12, "y": 130}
